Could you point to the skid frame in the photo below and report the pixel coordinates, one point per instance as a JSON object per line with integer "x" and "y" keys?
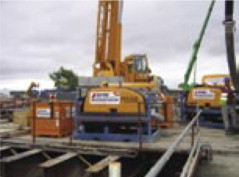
{"x": 214, "y": 113}
{"x": 143, "y": 132}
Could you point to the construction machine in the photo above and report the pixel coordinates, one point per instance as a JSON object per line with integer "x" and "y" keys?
{"x": 209, "y": 93}
{"x": 30, "y": 88}
{"x": 192, "y": 62}
{"x": 108, "y": 62}
{"x": 122, "y": 100}
{"x": 205, "y": 95}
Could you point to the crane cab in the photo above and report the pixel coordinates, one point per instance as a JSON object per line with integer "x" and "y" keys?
{"x": 136, "y": 69}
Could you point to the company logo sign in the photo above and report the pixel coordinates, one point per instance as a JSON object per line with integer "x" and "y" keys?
{"x": 43, "y": 113}
{"x": 105, "y": 98}
{"x": 203, "y": 95}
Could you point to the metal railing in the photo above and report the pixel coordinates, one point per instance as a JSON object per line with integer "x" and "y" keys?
{"x": 188, "y": 168}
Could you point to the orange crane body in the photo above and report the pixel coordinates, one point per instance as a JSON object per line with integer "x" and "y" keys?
{"x": 134, "y": 69}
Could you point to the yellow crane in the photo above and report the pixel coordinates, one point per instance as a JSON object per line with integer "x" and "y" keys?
{"x": 108, "y": 47}
{"x": 30, "y": 87}
{"x": 134, "y": 68}
{"x": 128, "y": 109}
{"x": 108, "y": 40}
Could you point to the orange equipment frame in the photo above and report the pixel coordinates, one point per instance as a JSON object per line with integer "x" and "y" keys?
{"x": 54, "y": 118}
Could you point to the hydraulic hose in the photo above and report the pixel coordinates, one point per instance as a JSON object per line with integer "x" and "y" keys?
{"x": 229, "y": 23}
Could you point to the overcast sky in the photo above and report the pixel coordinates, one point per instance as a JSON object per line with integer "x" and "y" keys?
{"x": 37, "y": 37}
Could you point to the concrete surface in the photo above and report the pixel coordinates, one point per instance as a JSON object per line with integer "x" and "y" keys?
{"x": 223, "y": 165}
{"x": 215, "y": 137}
{"x": 226, "y": 148}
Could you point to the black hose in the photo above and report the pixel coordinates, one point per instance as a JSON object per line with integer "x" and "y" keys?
{"x": 229, "y": 10}
{"x": 229, "y": 37}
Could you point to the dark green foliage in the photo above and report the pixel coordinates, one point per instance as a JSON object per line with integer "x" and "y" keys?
{"x": 64, "y": 79}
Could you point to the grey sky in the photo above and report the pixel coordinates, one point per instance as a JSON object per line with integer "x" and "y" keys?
{"x": 37, "y": 37}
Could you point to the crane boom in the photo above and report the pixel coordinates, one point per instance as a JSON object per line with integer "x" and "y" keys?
{"x": 196, "y": 47}
{"x": 134, "y": 68}
{"x": 108, "y": 41}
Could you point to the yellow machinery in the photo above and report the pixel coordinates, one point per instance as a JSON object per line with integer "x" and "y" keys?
{"x": 207, "y": 96}
{"x": 134, "y": 104}
{"x": 106, "y": 100}
{"x": 116, "y": 112}
{"x": 209, "y": 93}
{"x": 108, "y": 47}
{"x": 134, "y": 68}
{"x": 216, "y": 80}
{"x": 29, "y": 89}
{"x": 204, "y": 97}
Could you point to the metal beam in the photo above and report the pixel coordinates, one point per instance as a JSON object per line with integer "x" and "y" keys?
{"x": 80, "y": 148}
{"x": 64, "y": 165}
{"x": 20, "y": 156}
{"x": 22, "y": 164}
{"x": 5, "y": 151}
{"x": 4, "y": 148}
{"x": 102, "y": 164}
{"x": 56, "y": 161}
{"x": 188, "y": 165}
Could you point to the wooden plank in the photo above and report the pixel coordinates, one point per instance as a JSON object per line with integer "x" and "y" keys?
{"x": 58, "y": 160}
{"x": 14, "y": 133}
{"x": 102, "y": 164}
{"x": 4, "y": 121}
{"x": 87, "y": 147}
{"x": 3, "y": 148}
{"x": 21, "y": 155}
